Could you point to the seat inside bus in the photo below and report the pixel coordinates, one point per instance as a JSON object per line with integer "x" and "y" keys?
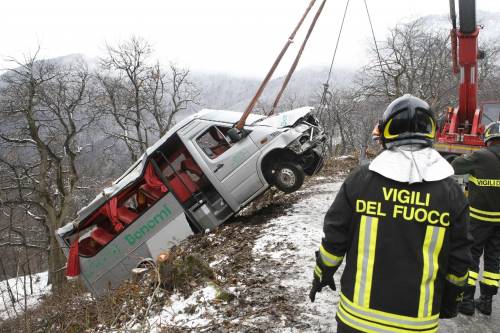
{"x": 153, "y": 188}
{"x": 182, "y": 175}
{"x": 183, "y": 186}
{"x": 101, "y": 236}
{"x": 180, "y": 172}
{"x": 121, "y": 211}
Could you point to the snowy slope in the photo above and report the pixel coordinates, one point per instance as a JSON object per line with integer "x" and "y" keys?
{"x": 276, "y": 285}
{"x": 13, "y": 304}
{"x": 266, "y": 289}
{"x": 302, "y": 226}
{"x": 283, "y": 258}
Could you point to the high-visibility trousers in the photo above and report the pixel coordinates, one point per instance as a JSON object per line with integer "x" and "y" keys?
{"x": 486, "y": 243}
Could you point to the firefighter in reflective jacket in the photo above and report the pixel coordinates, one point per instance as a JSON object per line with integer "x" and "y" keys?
{"x": 483, "y": 166}
{"x": 401, "y": 223}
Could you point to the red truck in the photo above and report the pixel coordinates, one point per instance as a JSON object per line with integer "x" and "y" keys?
{"x": 461, "y": 129}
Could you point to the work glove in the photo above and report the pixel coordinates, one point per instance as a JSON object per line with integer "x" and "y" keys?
{"x": 323, "y": 276}
{"x": 452, "y": 296}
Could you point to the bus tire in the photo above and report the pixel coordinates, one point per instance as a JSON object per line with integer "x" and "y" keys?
{"x": 288, "y": 177}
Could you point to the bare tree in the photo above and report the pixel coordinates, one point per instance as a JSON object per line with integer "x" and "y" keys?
{"x": 167, "y": 94}
{"x": 415, "y": 59}
{"x": 124, "y": 89}
{"x": 44, "y": 108}
{"x": 489, "y": 71}
{"x": 141, "y": 99}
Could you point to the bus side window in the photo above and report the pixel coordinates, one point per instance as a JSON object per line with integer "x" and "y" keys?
{"x": 213, "y": 142}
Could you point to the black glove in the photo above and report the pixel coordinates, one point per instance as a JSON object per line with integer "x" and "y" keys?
{"x": 452, "y": 296}
{"x": 323, "y": 276}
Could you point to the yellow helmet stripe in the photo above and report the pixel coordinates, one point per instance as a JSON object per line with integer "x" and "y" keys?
{"x": 433, "y": 130}
{"x": 388, "y": 135}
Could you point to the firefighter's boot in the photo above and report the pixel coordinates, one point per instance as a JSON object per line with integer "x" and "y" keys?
{"x": 484, "y": 302}
{"x": 466, "y": 307}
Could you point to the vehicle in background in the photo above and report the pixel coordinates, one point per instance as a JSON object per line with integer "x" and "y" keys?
{"x": 194, "y": 178}
{"x": 461, "y": 129}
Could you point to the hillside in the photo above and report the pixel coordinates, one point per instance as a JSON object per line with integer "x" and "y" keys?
{"x": 252, "y": 275}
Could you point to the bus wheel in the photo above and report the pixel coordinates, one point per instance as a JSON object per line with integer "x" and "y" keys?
{"x": 288, "y": 177}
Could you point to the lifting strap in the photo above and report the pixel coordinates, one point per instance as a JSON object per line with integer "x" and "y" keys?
{"x": 254, "y": 100}
{"x": 376, "y": 48}
{"x": 453, "y": 36}
{"x": 326, "y": 94}
{"x": 297, "y": 58}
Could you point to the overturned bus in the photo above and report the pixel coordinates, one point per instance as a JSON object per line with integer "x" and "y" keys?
{"x": 194, "y": 178}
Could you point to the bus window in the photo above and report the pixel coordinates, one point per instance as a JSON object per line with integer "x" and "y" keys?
{"x": 213, "y": 142}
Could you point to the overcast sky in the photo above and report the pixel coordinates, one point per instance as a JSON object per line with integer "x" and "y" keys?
{"x": 240, "y": 37}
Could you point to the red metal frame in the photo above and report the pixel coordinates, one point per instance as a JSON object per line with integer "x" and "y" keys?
{"x": 462, "y": 130}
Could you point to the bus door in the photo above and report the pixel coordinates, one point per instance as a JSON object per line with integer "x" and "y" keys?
{"x": 183, "y": 176}
{"x": 233, "y": 164}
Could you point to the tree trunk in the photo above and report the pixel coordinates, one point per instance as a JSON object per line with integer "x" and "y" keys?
{"x": 57, "y": 262}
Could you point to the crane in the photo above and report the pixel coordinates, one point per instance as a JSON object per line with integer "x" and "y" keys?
{"x": 462, "y": 127}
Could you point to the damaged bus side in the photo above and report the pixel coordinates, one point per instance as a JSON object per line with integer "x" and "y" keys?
{"x": 193, "y": 179}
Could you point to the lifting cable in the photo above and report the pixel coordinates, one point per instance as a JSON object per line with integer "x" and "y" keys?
{"x": 376, "y": 48}
{"x": 254, "y": 100}
{"x": 326, "y": 85}
{"x": 453, "y": 37}
{"x": 297, "y": 58}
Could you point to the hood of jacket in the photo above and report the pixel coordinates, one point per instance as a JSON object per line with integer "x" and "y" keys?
{"x": 409, "y": 165}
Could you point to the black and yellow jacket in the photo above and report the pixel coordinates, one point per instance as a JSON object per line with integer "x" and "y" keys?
{"x": 483, "y": 166}
{"x": 402, "y": 244}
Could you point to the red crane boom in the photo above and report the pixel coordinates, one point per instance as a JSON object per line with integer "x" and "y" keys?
{"x": 463, "y": 126}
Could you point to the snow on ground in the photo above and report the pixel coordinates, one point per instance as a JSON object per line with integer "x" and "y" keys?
{"x": 191, "y": 313}
{"x": 344, "y": 157}
{"x": 13, "y": 303}
{"x": 283, "y": 262}
{"x": 270, "y": 289}
{"x": 285, "y": 248}
{"x": 302, "y": 227}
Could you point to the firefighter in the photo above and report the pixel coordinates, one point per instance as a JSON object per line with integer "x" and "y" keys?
{"x": 402, "y": 224}
{"x": 483, "y": 166}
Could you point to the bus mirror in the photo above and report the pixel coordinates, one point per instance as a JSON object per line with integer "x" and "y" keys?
{"x": 234, "y": 134}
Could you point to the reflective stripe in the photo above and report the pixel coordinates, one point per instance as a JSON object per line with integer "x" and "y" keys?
{"x": 484, "y": 182}
{"x": 490, "y": 282}
{"x": 491, "y": 276}
{"x": 366, "y": 258}
{"x": 484, "y": 212}
{"x": 433, "y": 242}
{"x": 456, "y": 280}
{"x": 480, "y": 215}
{"x": 329, "y": 259}
{"x": 482, "y": 218}
{"x": 317, "y": 271}
{"x": 471, "y": 281}
{"x": 359, "y": 325}
{"x": 386, "y": 318}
